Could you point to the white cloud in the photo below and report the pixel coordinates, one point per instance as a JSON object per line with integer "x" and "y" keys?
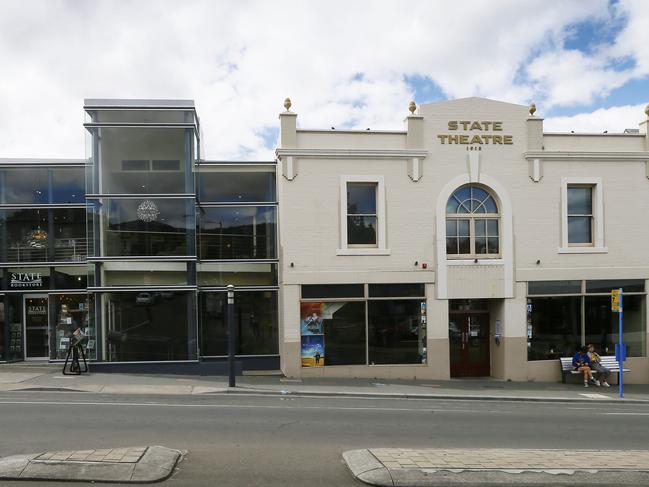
{"x": 240, "y": 59}
{"x": 614, "y": 119}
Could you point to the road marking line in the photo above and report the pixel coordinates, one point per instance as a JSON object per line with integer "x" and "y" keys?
{"x": 627, "y": 414}
{"x": 247, "y": 406}
{"x": 594, "y": 395}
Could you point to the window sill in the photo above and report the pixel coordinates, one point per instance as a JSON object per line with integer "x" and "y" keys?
{"x": 362, "y": 251}
{"x": 582, "y": 250}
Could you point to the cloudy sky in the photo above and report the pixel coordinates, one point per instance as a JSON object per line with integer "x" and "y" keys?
{"x": 349, "y": 63}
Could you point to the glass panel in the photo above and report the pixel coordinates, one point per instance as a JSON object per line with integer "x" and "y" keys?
{"x": 149, "y": 326}
{"x": 238, "y": 233}
{"x": 361, "y": 198}
{"x": 451, "y": 227}
{"x": 605, "y": 286}
{"x": 255, "y": 318}
{"x": 36, "y": 327}
{"x": 452, "y": 245}
{"x": 554, "y": 287}
{"x": 462, "y": 195}
{"x": 492, "y": 245}
{"x": 464, "y": 245}
{"x": 70, "y": 277}
{"x": 316, "y": 291}
{"x": 452, "y": 205}
{"x": 468, "y": 305}
{"x": 397, "y": 290}
{"x": 144, "y": 116}
{"x": 396, "y": 334}
{"x": 69, "y": 234}
{"x": 238, "y": 274}
{"x": 236, "y": 187}
{"x": 147, "y": 227}
{"x": 553, "y": 327}
{"x": 165, "y": 165}
{"x": 477, "y": 207}
{"x": 339, "y": 329}
{"x": 25, "y": 235}
{"x": 141, "y": 277}
{"x": 602, "y": 325}
{"x": 492, "y": 228}
{"x": 71, "y": 311}
{"x": 579, "y": 229}
{"x": 361, "y": 230}
{"x": 580, "y": 201}
{"x": 120, "y": 150}
{"x": 13, "y": 317}
{"x": 480, "y": 245}
{"x": 463, "y": 228}
{"x": 68, "y": 185}
{"x": 490, "y": 205}
{"x": 25, "y": 186}
{"x": 480, "y": 228}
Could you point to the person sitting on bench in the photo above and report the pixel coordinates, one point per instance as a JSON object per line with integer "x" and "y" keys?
{"x": 581, "y": 363}
{"x": 596, "y": 364}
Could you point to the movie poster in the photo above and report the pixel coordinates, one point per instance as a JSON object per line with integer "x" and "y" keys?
{"x": 311, "y": 318}
{"x": 313, "y": 351}
{"x": 312, "y": 330}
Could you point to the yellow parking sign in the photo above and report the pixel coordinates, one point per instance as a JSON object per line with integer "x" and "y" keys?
{"x": 615, "y": 300}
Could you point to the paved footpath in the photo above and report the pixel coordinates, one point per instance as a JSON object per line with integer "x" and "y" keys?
{"x": 25, "y": 377}
{"x": 438, "y": 467}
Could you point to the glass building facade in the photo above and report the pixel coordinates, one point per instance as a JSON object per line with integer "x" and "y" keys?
{"x": 136, "y": 244}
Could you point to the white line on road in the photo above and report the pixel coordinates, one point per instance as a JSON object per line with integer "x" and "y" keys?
{"x": 626, "y": 414}
{"x": 247, "y": 406}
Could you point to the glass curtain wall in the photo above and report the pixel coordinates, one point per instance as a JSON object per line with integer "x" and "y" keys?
{"x": 142, "y": 227}
{"x": 565, "y": 315}
{"x": 237, "y": 244}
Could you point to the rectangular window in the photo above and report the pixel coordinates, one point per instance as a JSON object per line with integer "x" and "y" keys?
{"x": 149, "y": 326}
{"x": 558, "y": 325}
{"x": 553, "y": 327}
{"x": 343, "y": 325}
{"x": 241, "y": 232}
{"x": 361, "y": 214}
{"x": 580, "y": 215}
{"x": 396, "y": 334}
{"x": 256, "y": 319}
{"x": 146, "y": 227}
{"x": 236, "y": 187}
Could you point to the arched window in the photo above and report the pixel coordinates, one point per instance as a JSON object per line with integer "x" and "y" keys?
{"x": 472, "y": 223}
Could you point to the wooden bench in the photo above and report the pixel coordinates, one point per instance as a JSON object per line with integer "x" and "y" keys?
{"x": 607, "y": 361}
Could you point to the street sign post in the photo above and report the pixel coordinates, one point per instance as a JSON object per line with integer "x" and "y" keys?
{"x": 620, "y": 348}
{"x": 232, "y": 338}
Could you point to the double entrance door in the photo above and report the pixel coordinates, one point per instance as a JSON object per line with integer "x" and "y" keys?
{"x": 35, "y": 312}
{"x": 469, "y": 344}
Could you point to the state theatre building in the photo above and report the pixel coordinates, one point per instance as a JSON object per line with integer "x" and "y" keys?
{"x": 469, "y": 244}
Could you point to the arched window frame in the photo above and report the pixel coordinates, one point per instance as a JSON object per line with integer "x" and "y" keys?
{"x": 461, "y": 226}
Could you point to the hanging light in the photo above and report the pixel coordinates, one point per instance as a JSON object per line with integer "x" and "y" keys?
{"x": 147, "y": 211}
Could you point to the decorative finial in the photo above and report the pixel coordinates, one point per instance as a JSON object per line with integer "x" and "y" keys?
{"x": 646, "y": 110}
{"x": 412, "y": 106}
{"x": 532, "y": 109}
{"x": 287, "y": 104}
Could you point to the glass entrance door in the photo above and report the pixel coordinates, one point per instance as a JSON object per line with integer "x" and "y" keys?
{"x": 36, "y": 326}
{"x": 469, "y": 343}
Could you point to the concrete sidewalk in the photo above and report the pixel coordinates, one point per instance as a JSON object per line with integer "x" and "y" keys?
{"x": 449, "y": 467}
{"x": 139, "y": 465}
{"x": 25, "y": 377}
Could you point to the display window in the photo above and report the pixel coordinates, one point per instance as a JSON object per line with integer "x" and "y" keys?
{"x": 356, "y": 324}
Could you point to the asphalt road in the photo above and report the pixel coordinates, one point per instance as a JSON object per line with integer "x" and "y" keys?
{"x": 280, "y": 441}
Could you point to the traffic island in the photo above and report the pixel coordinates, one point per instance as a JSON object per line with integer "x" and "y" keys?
{"x": 145, "y": 464}
{"x": 492, "y": 467}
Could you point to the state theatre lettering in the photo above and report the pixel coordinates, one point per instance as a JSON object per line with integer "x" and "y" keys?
{"x": 476, "y": 133}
